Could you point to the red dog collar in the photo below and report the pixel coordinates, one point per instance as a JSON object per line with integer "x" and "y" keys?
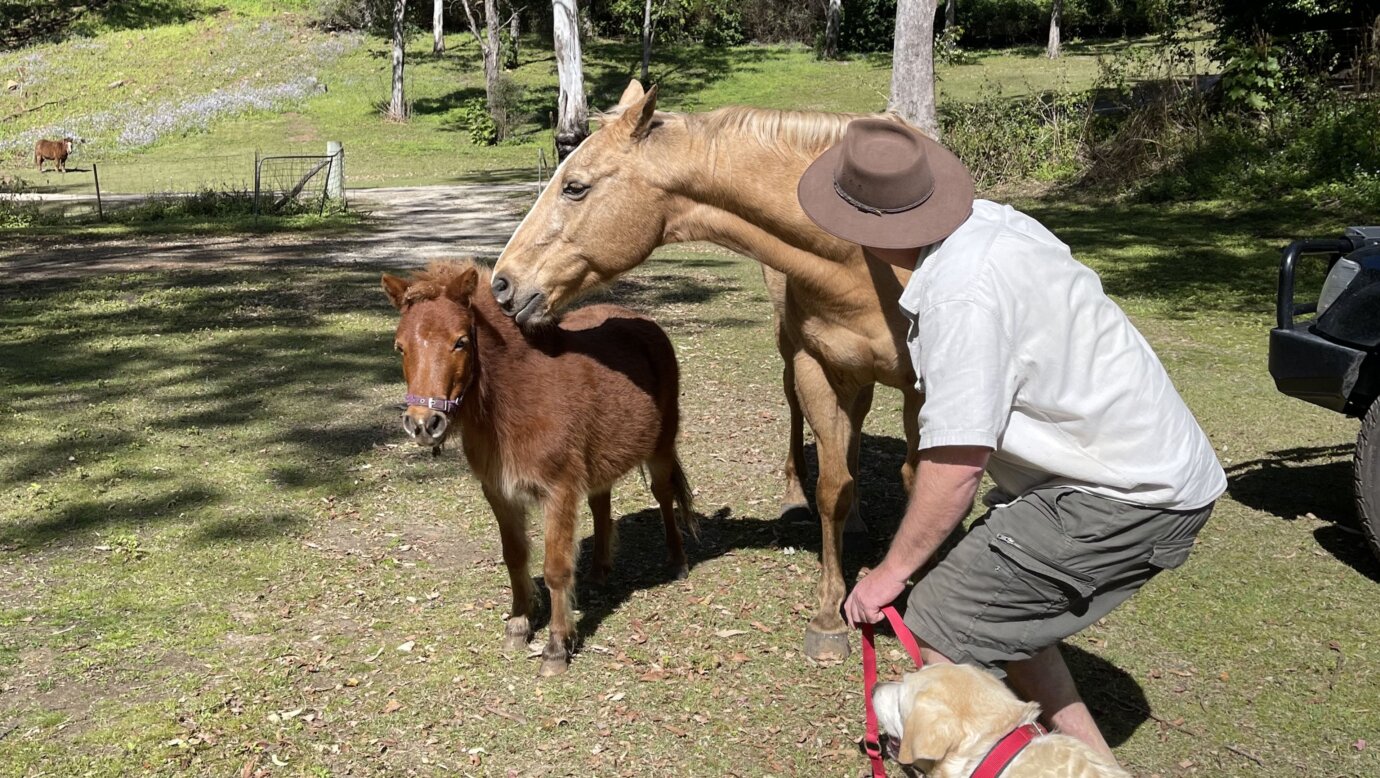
{"x": 1006, "y": 749}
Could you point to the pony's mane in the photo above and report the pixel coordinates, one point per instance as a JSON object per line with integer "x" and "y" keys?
{"x": 430, "y": 282}
{"x": 803, "y": 133}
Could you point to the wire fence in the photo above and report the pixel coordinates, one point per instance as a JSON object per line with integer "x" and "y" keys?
{"x": 247, "y": 183}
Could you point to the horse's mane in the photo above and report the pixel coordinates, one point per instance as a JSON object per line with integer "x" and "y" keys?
{"x": 430, "y": 282}
{"x": 795, "y": 133}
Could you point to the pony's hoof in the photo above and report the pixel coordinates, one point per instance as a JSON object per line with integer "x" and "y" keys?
{"x": 600, "y": 575}
{"x": 516, "y": 641}
{"x": 679, "y": 571}
{"x": 826, "y": 646}
{"x": 553, "y": 666}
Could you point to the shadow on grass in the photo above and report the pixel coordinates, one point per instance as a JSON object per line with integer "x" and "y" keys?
{"x": 1292, "y": 483}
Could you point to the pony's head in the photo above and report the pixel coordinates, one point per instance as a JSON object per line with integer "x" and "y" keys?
{"x": 436, "y": 339}
{"x": 600, "y": 216}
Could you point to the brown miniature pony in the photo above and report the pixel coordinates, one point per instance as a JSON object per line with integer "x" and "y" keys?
{"x": 550, "y": 417}
{"x": 648, "y": 178}
{"x": 56, "y": 151}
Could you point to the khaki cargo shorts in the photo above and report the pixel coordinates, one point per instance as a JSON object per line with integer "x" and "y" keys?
{"x": 1041, "y": 568}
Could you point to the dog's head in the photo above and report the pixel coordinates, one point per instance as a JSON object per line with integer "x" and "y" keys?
{"x": 944, "y": 711}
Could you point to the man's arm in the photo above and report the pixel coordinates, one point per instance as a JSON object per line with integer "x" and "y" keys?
{"x": 945, "y": 484}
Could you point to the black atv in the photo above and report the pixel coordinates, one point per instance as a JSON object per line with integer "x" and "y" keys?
{"x": 1333, "y": 358}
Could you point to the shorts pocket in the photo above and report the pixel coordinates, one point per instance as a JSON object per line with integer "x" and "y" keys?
{"x": 1169, "y": 554}
{"x": 1077, "y": 585}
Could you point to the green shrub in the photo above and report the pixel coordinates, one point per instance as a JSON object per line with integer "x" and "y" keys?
{"x": 1008, "y": 139}
{"x": 473, "y": 117}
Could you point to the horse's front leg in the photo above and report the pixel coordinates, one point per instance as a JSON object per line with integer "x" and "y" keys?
{"x": 559, "y": 570}
{"x": 794, "y": 497}
{"x": 829, "y": 410}
{"x": 512, "y": 531}
{"x": 911, "y": 421}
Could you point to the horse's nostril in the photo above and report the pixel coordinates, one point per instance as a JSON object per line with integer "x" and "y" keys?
{"x": 435, "y": 425}
{"x": 503, "y": 289}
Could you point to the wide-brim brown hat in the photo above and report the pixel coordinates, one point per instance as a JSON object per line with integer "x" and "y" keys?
{"x": 887, "y": 185}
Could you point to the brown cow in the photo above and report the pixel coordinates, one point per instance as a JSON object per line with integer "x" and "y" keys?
{"x": 55, "y": 150}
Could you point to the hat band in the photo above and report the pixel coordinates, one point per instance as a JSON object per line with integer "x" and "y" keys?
{"x": 875, "y": 211}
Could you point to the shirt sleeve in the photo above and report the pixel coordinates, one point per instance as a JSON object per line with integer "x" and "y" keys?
{"x": 963, "y": 359}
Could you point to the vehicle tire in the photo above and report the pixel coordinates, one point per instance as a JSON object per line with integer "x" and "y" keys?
{"x": 1367, "y": 477}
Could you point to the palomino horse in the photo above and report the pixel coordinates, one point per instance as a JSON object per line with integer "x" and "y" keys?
{"x": 550, "y": 417}
{"x": 729, "y": 176}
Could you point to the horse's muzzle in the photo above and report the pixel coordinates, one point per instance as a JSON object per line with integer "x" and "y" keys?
{"x": 525, "y": 307}
{"x": 426, "y": 426}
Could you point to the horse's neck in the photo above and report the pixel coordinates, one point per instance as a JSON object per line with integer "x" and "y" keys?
{"x": 498, "y": 348}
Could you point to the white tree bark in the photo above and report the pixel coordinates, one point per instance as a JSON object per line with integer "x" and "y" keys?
{"x": 438, "y": 34}
{"x": 489, "y": 47}
{"x": 646, "y": 39}
{"x": 572, "y": 124}
{"x": 831, "y": 29}
{"x": 912, "y": 65}
{"x": 397, "y": 104}
{"x": 1055, "y": 12}
{"x": 950, "y": 14}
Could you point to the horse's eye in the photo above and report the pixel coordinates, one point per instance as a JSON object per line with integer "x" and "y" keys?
{"x": 462, "y": 343}
{"x": 575, "y": 190}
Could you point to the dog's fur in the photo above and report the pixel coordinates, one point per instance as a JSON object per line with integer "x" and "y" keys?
{"x": 946, "y": 718}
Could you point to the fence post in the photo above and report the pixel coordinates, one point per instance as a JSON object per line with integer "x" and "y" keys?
{"x": 256, "y": 185}
{"x": 100, "y": 208}
{"x": 335, "y": 177}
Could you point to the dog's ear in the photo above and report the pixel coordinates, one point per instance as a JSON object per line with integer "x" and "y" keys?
{"x": 931, "y": 733}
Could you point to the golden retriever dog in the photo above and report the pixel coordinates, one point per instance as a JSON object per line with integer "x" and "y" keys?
{"x": 946, "y": 718}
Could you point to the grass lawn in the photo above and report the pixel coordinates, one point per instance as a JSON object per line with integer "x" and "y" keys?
{"x": 219, "y": 552}
{"x": 221, "y": 83}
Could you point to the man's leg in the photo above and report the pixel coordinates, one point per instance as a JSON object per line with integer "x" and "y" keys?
{"x": 1044, "y": 678}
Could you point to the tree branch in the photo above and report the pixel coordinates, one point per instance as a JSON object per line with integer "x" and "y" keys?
{"x": 474, "y": 28}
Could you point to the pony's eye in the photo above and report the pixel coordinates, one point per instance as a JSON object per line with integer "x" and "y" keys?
{"x": 398, "y": 347}
{"x": 462, "y": 343}
{"x": 575, "y": 190}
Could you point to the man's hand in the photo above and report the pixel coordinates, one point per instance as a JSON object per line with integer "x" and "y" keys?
{"x": 873, "y": 591}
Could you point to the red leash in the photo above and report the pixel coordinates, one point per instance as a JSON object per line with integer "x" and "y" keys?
{"x": 873, "y": 744}
{"x": 996, "y": 760}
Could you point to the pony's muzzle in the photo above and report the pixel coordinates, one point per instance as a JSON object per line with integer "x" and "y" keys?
{"x": 426, "y": 426}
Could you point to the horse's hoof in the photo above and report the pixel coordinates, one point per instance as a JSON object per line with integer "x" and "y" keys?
{"x": 516, "y": 641}
{"x": 600, "y": 575}
{"x": 826, "y": 646}
{"x": 554, "y": 666}
{"x": 679, "y": 571}
{"x": 795, "y": 511}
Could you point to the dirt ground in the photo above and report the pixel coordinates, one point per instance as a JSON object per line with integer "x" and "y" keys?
{"x": 407, "y": 226}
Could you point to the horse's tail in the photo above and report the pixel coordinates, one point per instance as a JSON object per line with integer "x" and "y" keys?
{"x": 684, "y": 499}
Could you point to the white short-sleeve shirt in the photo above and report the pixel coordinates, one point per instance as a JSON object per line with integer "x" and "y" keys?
{"x": 1017, "y": 349}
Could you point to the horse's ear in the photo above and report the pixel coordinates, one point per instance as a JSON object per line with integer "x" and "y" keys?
{"x": 463, "y": 285}
{"x": 395, "y": 288}
{"x": 643, "y": 114}
{"x": 632, "y": 94}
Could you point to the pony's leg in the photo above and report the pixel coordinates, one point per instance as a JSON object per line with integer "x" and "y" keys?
{"x": 559, "y": 570}
{"x": 512, "y": 532}
{"x": 664, "y": 490}
{"x": 855, "y": 529}
{"x": 828, "y": 409}
{"x": 911, "y": 419}
{"x": 600, "y": 507}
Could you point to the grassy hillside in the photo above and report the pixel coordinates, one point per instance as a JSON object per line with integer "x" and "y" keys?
{"x": 158, "y": 105}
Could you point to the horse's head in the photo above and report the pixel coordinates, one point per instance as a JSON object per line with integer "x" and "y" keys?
{"x": 601, "y": 215}
{"x": 436, "y": 339}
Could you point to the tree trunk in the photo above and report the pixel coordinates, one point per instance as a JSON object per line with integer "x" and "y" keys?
{"x": 492, "y": 56}
{"x": 950, "y": 14}
{"x": 438, "y": 35}
{"x": 831, "y": 29}
{"x": 397, "y": 104}
{"x": 646, "y": 39}
{"x": 1055, "y": 11}
{"x": 912, "y": 65}
{"x": 572, "y": 124}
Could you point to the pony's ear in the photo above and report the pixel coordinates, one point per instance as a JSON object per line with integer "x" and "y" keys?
{"x": 632, "y": 94}
{"x": 931, "y": 733}
{"x": 640, "y": 116}
{"x": 395, "y": 288}
{"x": 463, "y": 285}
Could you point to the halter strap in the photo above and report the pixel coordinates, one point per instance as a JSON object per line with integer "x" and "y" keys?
{"x": 872, "y": 743}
